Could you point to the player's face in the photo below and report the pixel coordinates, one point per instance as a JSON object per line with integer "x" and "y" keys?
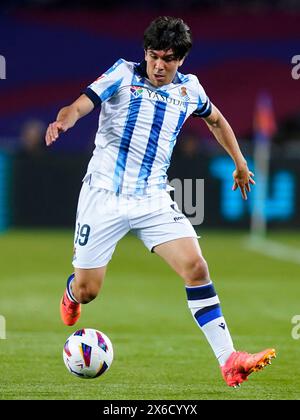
{"x": 161, "y": 66}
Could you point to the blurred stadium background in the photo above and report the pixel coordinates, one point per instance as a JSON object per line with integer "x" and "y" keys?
{"x": 242, "y": 54}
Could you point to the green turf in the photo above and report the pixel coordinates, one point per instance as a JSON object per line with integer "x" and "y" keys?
{"x": 159, "y": 351}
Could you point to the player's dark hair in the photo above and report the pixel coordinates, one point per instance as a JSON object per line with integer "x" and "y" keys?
{"x": 166, "y": 33}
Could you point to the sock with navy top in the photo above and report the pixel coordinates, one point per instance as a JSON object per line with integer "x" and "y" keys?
{"x": 205, "y": 306}
{"x": 69, "y": 289}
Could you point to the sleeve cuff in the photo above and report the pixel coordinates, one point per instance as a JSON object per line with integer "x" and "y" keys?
{"x": 203, "y": 112}
{"x": 92, "y": 96}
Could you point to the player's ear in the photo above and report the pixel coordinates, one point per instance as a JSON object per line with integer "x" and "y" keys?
{"x": 145, "y": 55}
{"x": 181, "y": 61}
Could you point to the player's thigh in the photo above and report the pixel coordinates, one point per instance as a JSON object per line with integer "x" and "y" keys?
{"x": 169, "y": 233}
{"x": 184, "y": 256}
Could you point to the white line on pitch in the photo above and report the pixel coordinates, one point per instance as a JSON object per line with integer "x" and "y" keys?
{"x": 274, "y": 249}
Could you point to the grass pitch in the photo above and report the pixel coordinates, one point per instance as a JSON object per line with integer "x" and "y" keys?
{"x": 159, "y": 351}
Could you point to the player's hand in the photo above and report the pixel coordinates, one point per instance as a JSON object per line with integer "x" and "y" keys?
{"x": 242, "y": 179}
{"x": 53, "y": 131}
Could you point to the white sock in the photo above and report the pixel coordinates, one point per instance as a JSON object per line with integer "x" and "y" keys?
{"x": 205, "y": 307}
{"x": 69, "y": 288}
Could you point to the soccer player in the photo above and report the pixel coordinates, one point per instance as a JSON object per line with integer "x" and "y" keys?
{"x": 143, "y": 108}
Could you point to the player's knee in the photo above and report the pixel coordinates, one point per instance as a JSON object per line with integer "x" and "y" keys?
{"x": 197, "y": 270}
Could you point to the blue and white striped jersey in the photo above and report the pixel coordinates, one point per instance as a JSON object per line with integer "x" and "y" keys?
{"x": 138, "y": 126}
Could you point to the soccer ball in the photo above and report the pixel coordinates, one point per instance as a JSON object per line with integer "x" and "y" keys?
{"x": 88, "y": 353}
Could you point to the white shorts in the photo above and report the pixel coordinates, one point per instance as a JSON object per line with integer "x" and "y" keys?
{"x": 103, "y": 218}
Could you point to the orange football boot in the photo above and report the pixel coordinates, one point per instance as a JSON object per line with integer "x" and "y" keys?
{"x": 69, "y": 311}
{"x": 240, "y": 364}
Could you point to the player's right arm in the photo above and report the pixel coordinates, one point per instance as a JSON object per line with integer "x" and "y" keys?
{"x": 67, "y": 118}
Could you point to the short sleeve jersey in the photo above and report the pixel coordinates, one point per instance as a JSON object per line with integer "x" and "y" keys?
{"x": 138, "y": 126}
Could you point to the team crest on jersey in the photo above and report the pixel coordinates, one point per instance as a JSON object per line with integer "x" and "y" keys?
{"x": 183, "y": 93}
{"x": 136, "y": 91}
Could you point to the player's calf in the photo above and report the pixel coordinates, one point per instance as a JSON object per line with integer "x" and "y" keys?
{"x": 87, "y": 284}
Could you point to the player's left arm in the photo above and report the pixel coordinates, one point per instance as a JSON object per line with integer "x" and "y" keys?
{"x": 224, "y": 134}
